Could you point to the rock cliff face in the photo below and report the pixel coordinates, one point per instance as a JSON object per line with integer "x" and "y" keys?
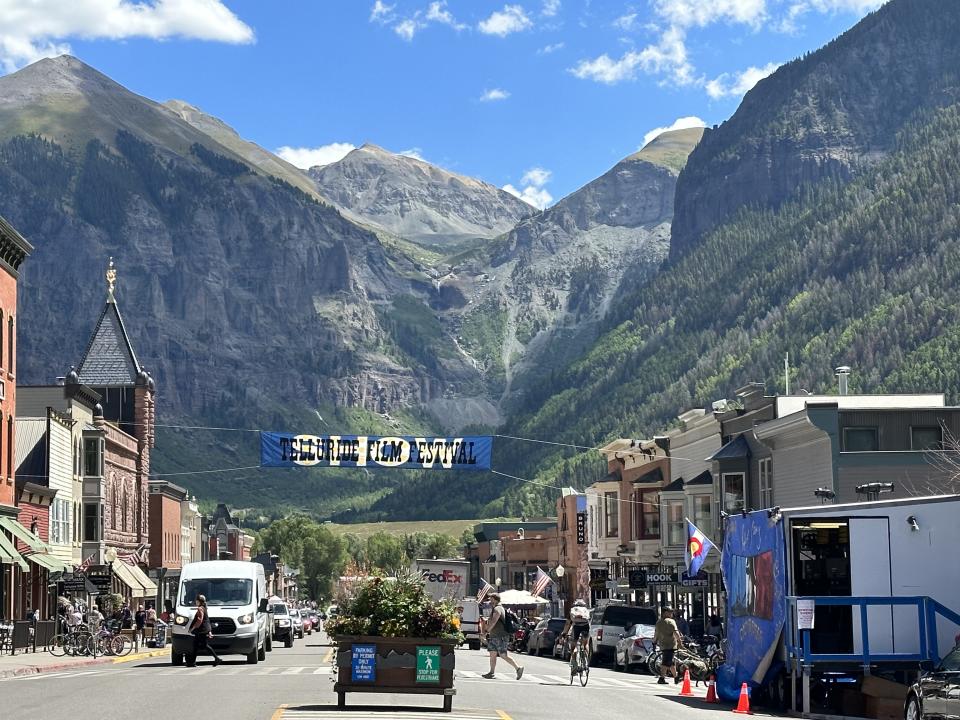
{"x": 245, "y": 297}
{"x": 822, "y": 116}
{"x": 552, "y": 278}
{"x": 416, "y": 200}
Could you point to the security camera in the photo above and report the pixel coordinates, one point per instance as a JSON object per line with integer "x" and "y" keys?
{"x": 912, "y": 522}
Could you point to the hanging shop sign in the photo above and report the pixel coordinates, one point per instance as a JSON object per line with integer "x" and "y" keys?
{"x": 581, "y": 528}
{"x": 699, "y": 580}
{"x": 407, "y": 453}
{"x": 637, "y": 579}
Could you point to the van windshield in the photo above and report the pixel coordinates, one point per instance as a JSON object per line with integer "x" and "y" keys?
{"x": 218, "y": 591}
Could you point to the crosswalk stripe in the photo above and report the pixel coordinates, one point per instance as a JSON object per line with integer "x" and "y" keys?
{"x": 467, "y": 674}
{"x": 619, "y": 683}
{"x": 264, "y": 671}
{"x": 556, "y": 679}
{"x": 532, "y": 678}
{"x": 293, "y": 671}
{"x": 377, "y": 715}
{"x": 323, "y": 671}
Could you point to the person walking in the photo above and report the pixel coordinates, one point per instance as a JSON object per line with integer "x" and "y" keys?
{"x": 498, "y": 638}
{"x": 682, "y": 625}
{"x": 668, "y": 639}
{"x": 715, "y": 627}
{"x": 140, "y": 622}
{"x": 202, "y": 631}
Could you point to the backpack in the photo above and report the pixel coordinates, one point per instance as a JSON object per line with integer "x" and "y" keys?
{"x": 511, "y": 622}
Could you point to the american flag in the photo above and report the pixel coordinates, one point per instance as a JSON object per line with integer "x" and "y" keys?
{"x": 540, "y": 582}
{"x": 135, "y": 557}
{"x": 484, "y": 589}
{"x": 82, "y": 567}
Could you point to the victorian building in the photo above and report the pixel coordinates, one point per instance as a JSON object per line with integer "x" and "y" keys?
{"x": 117, "y": 453}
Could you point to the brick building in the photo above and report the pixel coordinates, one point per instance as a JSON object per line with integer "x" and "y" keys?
{"x": 123, "y": 424}
{"x": 13, "y": 251}
{"x": 166, "y": 535}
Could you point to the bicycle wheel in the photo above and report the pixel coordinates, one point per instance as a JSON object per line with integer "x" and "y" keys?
{"x": 117, "y": 645}
{"x": 654, "y": 661}
{"x": 81, "y": 643}
{"x": 584, "y": 669}
{"x": 58, "y": 645}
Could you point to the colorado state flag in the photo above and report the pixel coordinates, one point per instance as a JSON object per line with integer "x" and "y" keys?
{"x": 698, "y": 547}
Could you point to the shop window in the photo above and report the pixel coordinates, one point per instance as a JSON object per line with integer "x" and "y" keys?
{"x": 702, "y": 516}
{"x": 91, "y": 522}
{"x": 766, "y": 482}
{"x": 92, "y": 458}
{"x": 676, "y": 526}
{"x": 647, "y": 514}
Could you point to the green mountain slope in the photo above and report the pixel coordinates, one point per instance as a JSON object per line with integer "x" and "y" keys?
{"x": 865, "y": 274}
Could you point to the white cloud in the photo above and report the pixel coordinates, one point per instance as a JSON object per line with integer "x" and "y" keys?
{"x": 407, "y": 29}
{"x": 533, "y": 192}
{"x": 303, "y": 157}
{"x": 737, "y": 84}
{"x": 381, "y": 12}
{"x": 678, "y": 124}
{"x": 437, "y": 12}
{"x": 697, "y": 13}
{"x": 547, "y": 49}
{"x": 668, "y": 56}
{"x": 494, "y": 95}
{"x": 513, "y": 18}
{"x": 550, "y": 8}
{"x": 415, "y": 153}
{"x": 626, "y": 22}
{"x": 36, "y": 29}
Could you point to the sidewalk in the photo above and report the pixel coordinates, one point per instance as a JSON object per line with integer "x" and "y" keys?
{"x": 41, "y": 662}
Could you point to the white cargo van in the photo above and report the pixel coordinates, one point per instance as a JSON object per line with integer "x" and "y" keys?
{"x": 236, "y": 594}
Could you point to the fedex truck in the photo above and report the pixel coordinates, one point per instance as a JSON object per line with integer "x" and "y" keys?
{"x": 444, "y": 579}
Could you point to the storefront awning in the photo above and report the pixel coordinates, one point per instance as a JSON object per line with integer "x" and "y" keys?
{"x": 24, "y": 535}
{"x": 149, "y": 586}
{"x": 49, "y": 562}
{"x": 9, "y": 554}
{"x": 123, "y": 572}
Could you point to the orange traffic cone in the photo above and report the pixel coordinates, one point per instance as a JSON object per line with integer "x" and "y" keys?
{"x": 712, "y": 689}
{"x": 743, "y": 706}
{"x": 685, "y": 691}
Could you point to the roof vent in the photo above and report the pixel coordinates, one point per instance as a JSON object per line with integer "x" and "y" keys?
{"x": 843, "y": 379}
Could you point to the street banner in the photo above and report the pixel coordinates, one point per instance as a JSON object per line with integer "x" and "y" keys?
{"x": 406, "y": 453}
{"x": 581, "y": 528}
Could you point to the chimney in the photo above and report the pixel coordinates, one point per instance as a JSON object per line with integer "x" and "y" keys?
{"x": 843, "y": 379}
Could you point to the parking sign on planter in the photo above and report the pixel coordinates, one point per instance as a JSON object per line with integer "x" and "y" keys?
{"x": 364, "y": 663}
{"x": 428, "y": 664}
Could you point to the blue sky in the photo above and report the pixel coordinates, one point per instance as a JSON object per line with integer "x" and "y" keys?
{"x": 540, "y": 95}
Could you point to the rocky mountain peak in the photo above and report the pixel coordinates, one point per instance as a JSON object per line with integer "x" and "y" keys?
{"x": 415, "y": 199}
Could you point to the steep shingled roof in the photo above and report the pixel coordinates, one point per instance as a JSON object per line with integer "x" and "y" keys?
{"x": 109, "y": 359}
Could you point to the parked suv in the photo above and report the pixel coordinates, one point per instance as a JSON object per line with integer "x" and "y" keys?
{"x": 282, "y": 624}
{"x": 608, "y": 623}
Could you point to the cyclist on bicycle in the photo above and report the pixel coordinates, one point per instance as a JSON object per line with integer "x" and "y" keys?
{"x": 578, "y": 622}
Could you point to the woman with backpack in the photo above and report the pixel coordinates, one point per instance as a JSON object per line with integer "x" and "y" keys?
{"x": 499, "y": 627}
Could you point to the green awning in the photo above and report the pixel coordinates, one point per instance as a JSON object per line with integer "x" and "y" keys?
{"x": 49, "y": 562}
{"x": 24, "y": 535}
{"x": 9, "y": 554}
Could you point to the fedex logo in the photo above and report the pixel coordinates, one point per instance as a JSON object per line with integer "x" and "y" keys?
{"x": 447, "y": 576}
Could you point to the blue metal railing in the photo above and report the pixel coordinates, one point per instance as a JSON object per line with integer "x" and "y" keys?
{"x": 799, "y": 641}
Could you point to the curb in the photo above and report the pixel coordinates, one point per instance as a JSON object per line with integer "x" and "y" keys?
{"x": 39, "y": 669}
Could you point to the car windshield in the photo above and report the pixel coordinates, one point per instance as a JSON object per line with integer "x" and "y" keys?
{"x": 951, "y": 663}
{"x": 280, "y": 609}
{"x": 556, "y": 624}
{"x": 218, "y": 591}
{"x": 624, "y": 616}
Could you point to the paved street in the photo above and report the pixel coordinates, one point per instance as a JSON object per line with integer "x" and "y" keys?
{"x": 297, "y": 683}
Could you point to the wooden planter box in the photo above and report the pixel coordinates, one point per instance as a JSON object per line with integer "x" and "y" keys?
{"x": 415, "y": 666}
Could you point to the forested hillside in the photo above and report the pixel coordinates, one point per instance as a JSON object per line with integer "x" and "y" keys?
{"x": 865, "y": 274}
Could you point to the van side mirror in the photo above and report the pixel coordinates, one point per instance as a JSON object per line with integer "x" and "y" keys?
{"x": 263, "y": 605}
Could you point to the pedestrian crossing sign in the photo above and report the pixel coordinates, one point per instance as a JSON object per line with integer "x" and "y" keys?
{"x": 428, "y": 664}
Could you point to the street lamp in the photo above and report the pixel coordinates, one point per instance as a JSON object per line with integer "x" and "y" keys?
{"x": 559, "y": 571}
{"x": 111, "y": 557}
{"x": 497, "y": 583}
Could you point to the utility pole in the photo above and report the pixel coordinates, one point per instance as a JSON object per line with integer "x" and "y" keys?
{"x": 786, "y": 373}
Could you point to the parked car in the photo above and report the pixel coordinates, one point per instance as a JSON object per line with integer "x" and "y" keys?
{"x": 307, "y": 622}
{"x": 282, "y": 624}
{"x": 297, "y": 622}
{"x": 315, "y": 620}
{"x": 633, "y": 648}
{"x": 544, "y": 635}
{"x": 937, "y": 693}
{"x": 608, "y": 623}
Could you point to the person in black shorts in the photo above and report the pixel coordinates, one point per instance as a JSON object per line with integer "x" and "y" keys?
{"x": 668, "y": 639}
{"x": 578, "y": 622}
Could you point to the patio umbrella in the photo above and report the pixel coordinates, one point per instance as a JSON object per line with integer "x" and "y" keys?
{"x": 520, "y": 598}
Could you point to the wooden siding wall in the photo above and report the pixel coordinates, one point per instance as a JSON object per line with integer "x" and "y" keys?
{"x": 895, "y": 425}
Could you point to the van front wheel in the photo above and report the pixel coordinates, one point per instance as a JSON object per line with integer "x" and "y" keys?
{"x": 262, "y": 652}
{"x": 253, "y": 657}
